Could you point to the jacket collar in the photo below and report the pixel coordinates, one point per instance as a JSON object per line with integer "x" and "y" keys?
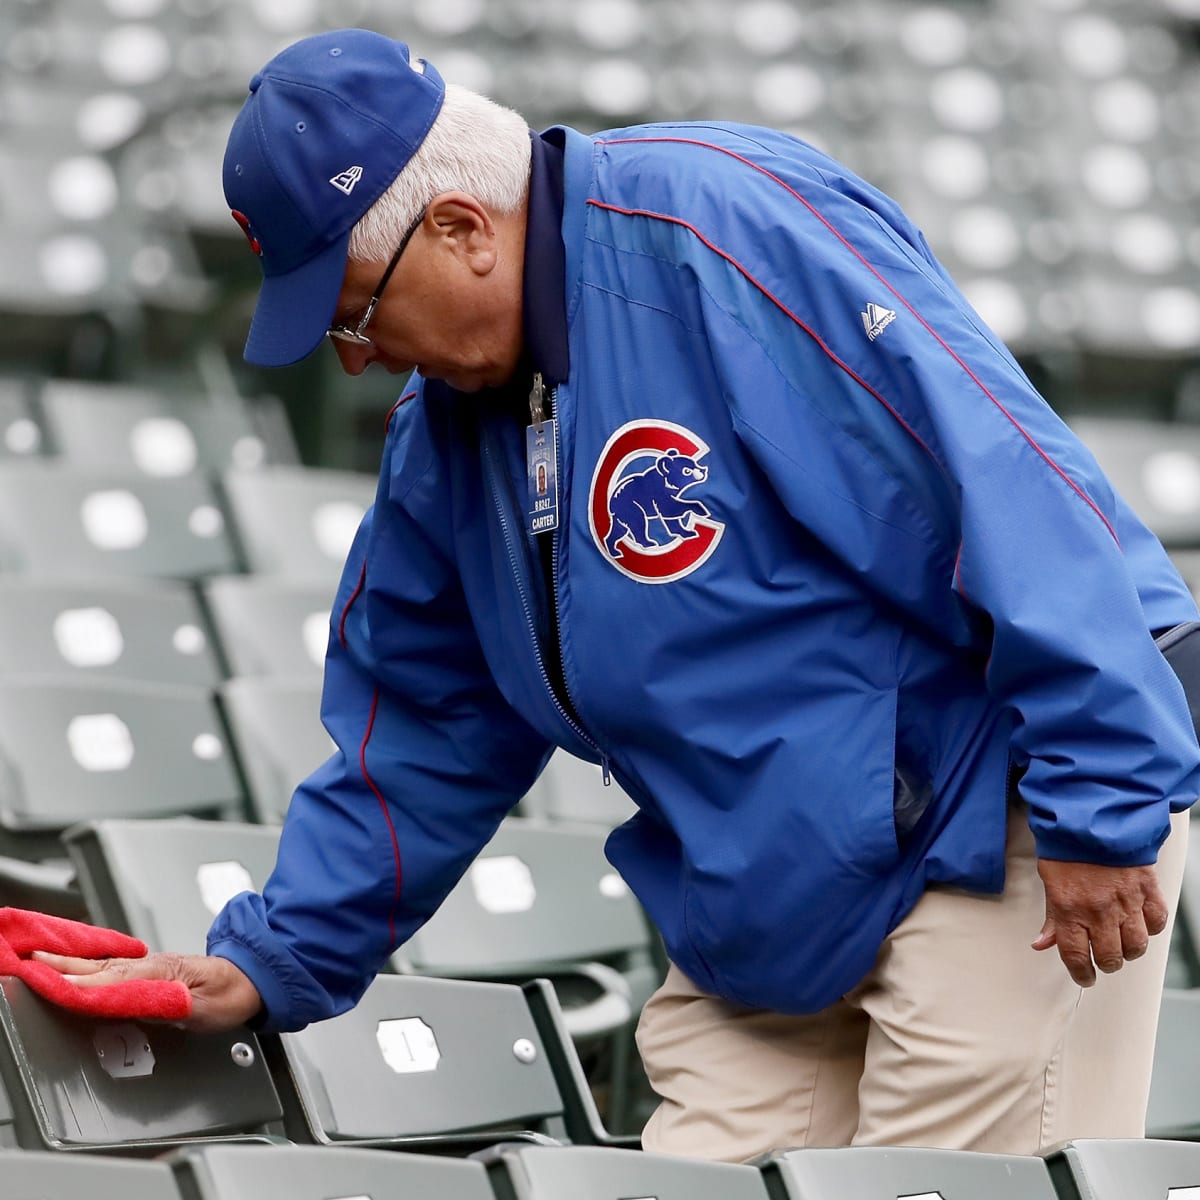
{"x": 544, "y": 286}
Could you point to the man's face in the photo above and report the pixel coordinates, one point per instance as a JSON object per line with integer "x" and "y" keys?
{"x": 452, "y": 308}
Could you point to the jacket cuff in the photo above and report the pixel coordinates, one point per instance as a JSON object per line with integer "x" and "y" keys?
{"x": 1060, "y": 847}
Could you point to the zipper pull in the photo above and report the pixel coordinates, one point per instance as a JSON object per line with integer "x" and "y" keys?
{"x": 605, "y": 773}
{"x": 537, "y": 402}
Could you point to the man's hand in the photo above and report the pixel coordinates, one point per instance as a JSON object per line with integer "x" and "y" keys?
{"x": 1100, "y": 915}
{"x": 222, "y": 996}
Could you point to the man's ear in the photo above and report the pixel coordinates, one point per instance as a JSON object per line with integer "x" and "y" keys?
{"x": 464, "y": 227}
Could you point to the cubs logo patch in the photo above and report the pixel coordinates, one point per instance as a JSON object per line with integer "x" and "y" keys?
{"x": 642, "y": 518}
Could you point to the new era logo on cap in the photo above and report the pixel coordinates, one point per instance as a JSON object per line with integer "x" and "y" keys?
{"x": 345, "y": 180}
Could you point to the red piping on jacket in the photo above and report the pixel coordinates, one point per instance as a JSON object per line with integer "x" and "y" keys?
{"x": 362, "y": 759}
{"x": 900, "y": 299}
{"x": 812, "y": 333}
{"x": 358, "y": 587}
{"x": 387, "y": 816}
{"x": 387, "y": 421}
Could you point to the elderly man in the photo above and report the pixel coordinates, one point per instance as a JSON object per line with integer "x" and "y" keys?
{"x": 710, "y": 475}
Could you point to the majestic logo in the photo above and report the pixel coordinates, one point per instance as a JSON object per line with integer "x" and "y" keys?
{"x": 345, "y": 180}
{"x": 244, "y": 222}
{"x": 641, "y": 520}
{"x": 876, "y": 319}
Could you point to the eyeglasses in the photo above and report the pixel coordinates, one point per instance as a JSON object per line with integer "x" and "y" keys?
{"x": 356, "y": 336}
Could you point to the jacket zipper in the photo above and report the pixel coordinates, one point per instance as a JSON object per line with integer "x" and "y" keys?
{"x": 537, "y": 397}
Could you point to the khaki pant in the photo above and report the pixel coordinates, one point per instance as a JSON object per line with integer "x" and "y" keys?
{"x": 961, "y": 1037}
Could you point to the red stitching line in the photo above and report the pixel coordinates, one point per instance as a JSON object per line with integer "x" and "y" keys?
{"x": 387, "y": 816}
{"x": 641, "y": 212}
{"x": 362, "y": 576}
{"x": 925, "y": 324}
{"x": 392, "y": 411}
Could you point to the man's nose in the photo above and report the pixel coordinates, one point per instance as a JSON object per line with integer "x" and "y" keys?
{"x": 354, "y": 357}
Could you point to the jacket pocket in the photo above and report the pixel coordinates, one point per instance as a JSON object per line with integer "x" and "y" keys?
{"x": 893, "y": 796}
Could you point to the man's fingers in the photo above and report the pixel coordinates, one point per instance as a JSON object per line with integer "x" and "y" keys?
{"x": 1154, "y": 911}
{"x": 90, "y": 972}
{"x": 1135, "y": 937}
{"x": 69, "y": 965}
{"x": 222, "y": 995}
{"x": 1074, "y": 948}
{"x": 1111, "y": 914}
{"x": 1107, "y": 951}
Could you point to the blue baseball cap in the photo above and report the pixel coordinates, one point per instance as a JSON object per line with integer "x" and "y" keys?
{"x": 328, "y": 125}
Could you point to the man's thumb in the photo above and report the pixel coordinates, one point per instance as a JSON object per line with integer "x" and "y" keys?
{"x": 1047, "y": 937}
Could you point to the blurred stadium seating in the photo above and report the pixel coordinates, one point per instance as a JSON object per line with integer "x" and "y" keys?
{"x": 1048, "y": 148}
{"x": 172, "y": 523}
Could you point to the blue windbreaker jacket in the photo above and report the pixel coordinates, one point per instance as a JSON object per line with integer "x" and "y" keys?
{"x": 827, "y": 565}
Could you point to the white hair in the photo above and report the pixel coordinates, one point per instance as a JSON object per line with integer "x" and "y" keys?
{"x": 474, "y": 145}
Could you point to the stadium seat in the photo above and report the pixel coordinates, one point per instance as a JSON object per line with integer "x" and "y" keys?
{"x": 71, "y": 246}
{"x": 297, "y": 521}
{"x": 183, "y": 172}
{"x": 8, "y": 1134}
{"x": 1187, "y": 563}
{"x": 275, "y": 726}
{"x": 73, "y": 751}
{"x": 443, "y": 1064}
{"x": 61, "y": 521}
{"x": 571, "y": 789}
{"x": 600, "y": 1173}
{"x": 280, "y": 1172}
{"x": 1155, "y": 466}
{"x": 82, "y": 1083}
{"x": 150, "y": 630}
{"x": 1174, "y": 1107}
{"x": 885, "y": 1173}
{"x": 543, "y": 900}
{"x": 36, "y": 1175}
{"x": 1125, "y": 1169}
{"x": 269, "y": 624}
{"x": 21, "y": 433}
{"x": 162, "y": 434}
{"x": 1188, "y": 915}
{"x": 165, "y": 880}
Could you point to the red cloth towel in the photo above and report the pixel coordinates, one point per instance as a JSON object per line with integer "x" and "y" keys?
{"x": 22, "y": 932}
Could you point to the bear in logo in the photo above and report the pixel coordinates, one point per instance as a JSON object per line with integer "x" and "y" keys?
{"x": 655, "y": 494}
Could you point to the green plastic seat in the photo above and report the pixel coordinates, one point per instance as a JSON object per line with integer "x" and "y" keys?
{"x": 571, "y": 789}
{"x": 156, "y": 432}
{"x": 40, "y": 1174}
{"x": 165, "y": 880}
{"x": 602, "y": 1173}
{"x": 440, "y": 1063}
{"x": 269, "y": 624}
{"x": 1174, "y": 1106}
{"x": 1126, "y": 1169}
{"x": 151, "y": 630}
{"x": 298, "y": 521}
{"x": 62, "y": 521}
{"x": 278, "y": 1172}
{"x": 275, "y": 725}
{"x": 887, "y": 1173}
{"x": 82, "y": 1083}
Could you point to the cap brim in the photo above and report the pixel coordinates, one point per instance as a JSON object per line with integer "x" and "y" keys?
{"x": 295, "y": 310}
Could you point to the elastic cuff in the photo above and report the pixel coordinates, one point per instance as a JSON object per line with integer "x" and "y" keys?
{"x": 274, "y": 997}
{"x": 1064, "y": 849}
